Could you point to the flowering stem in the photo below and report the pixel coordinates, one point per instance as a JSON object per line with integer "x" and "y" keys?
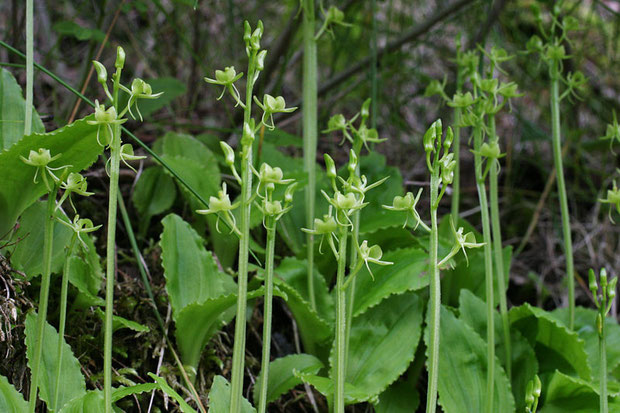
{"x": 63, "y": 318}
{"x": 244, "y": 246}
{"x": 29, "y": 67}
{"x": 488, "y": 267}
{"x": 48, "y": 241}
{"x": 341, "y": 323}
{"x": 267, "y": 313}
{"x": 309, "y": 123}
{"x": 557, "y": 160}
{"x": 603, "y": 363}
{"x": 456, "y": 149}
{"x": 115, "y": 159}
{"x": 497, "y": 248}
{"x": 435, "y": 299}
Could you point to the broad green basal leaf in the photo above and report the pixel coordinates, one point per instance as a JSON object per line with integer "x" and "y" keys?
{"x": 281, "y": 376}
{"x": 154, "y": 193}
{"x": 191, "y": 273}
{"x": 556, "y": 346}
{"x": 463, "y": 370}
{"x": 570, "y": 394}
{"x": 524, "y": 364}
{"x": 12, "y": 106}
{"x": 11, "y": 401}
{"x": 408, "y": 273}
{"x": 401, "y": 397}
{"x": 219, "y": 398}
{"x": 77, "y": 144}
{"x": 72, "y": 384}
{"x": 325, "y": 386}
{"x": 382, "y": 343}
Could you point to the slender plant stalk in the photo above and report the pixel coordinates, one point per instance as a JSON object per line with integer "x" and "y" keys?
{"x": 267, "y": 313}
{"x": 497, "y": 249}
{"x": 340, "y": 362}
{"x": 456, "y": 149}
{"x": 309, "y": 126}
{"x": 48, "y": 241}
{"x": 488, "y": 267}
{"x": 64, "y": 289}
{"x": 557, "y": 159}
{"x": 373, "y": 65}
{"x": 115, "y": 159}
{"x": 434, "y": 304}
{"x": 29, "y": 67}
{"x": 603, "y": 367}
{"x": 236, "y": 393}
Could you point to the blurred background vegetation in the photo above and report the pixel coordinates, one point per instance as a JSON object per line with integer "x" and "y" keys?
{"x": 398, "y": 46}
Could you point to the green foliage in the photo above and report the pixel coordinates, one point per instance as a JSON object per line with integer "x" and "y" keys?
{"x": 77, "y": 144}
{"x": 154, "y": 193}
{"x": 11, "y": 401}
{"x": 462, "y": 370}
{"x": 72, "y": 384}
{"x": 71, "y": 28}
{"x": 12, "y": 112}
{"x": 219, "y": 398}
{"x": 282, "y": 374}
{"x": 570, "y": 394}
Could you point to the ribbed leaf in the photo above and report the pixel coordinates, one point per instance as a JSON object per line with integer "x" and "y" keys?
{"x": 282, "y": 377}
{"x": 12, "y": 115}
{"x": 76, "y": 142}
{"x": 556, "y": 346}
{"x": 408, "y": 273}
{"x": 154, "y": 193}
{"x": 11, "y": 401}
{"x": 219, "y": 398}
{"x": 570, "y": 394}
{"x": 463, "y": 370}
{"x": 401, "y": 397}
{"x": 473, "y": 311}
{"x": 72, "y": 384}
{"x": 191, "y": 273}
{"x": 325, "y": 386}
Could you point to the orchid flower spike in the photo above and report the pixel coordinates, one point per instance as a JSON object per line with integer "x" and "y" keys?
{"x": 40, "y": 160}
{"x": 222, "y": 207}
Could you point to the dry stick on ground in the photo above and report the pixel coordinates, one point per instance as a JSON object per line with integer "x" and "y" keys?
{"x": 539, "y": 206}
{"x": 92, "y": 68}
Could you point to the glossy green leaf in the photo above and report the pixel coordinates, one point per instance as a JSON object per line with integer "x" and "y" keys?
{"x": 219, "y": 398}
{"x": 86, "y": 273}
{"x": 325, "y": 386}
{"x": 382, "y": 343}
{"x": 90, "y": 402}
{"x": 408, "y": 273}
{"x": 400, "y": 397}
{"x": 556, "y": 346}
{"x": 71, "y": 28}
{"x": 524, "y": 363}
{"x": 119, "y": 323}
{"x": 11, "y": 401}
{"x": 570, "y": 394}
{"x": 12, "y": 106}
{"x": 72, "y": 382}
{"x": 585, "y": 326}
{"x": 463, "y": 370}
{"x": 85, "y": 280}
{"x": 76, "y": 142}
{"x": 281, "y": 376}
{"x": 163, "y": 385}
{"x": 315, "y": 331}
{"x": 193, "y": 162}
{"x": 191, "y": 272}
{"x": 196, "y": 323}
{"x": 154, "y": 193}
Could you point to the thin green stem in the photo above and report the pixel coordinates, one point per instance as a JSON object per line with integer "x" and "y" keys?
{"x": 236, "y": 393}
{"x": 115, "y": 159}
{"x": 267, "y": 313}
{"x": 557, "y": 159}
{"x": 373, "y": 65}
{"x": 64, "y": 290}
{"x": 603, "y": 363}
{"x": 115, "y": 152}
{"x": 434, "y": 303}
{"x": 488, "y": 267}
{"x": 309, "y": 126}
{"x": 497, "y": 249}
{"x": 29, "y": 67}
{"x": 341, "y": 323}
{"x": 48, "y": 241}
